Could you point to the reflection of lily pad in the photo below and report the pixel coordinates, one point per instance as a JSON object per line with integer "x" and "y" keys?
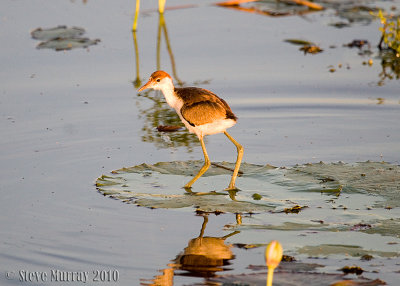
{"x": 67, "y": 44}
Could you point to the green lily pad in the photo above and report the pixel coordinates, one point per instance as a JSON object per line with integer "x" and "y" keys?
{"x": 156, "y": 186}
{"x": 62, "y": 38}
{"x": 160, "y": 185}
{"x": 388, "y": 227}
{"x": 57, "y": 33}
{"x": 348, "y": 250}
{"x": 373, "y": 178}
{"x": 292, "y": 278}
{"x": 358, "y": 200}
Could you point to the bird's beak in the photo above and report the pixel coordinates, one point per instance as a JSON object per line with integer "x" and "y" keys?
{"x": 149, "y": 84}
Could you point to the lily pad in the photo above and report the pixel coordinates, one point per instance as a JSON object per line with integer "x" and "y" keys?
{"x": 291, "y": 266}
{"x": 292, "y": 279}
{"x": 373, "y": 178}
{"x": 272, "y": 8}
{"x": 388, "y": 227}
{"x": 348, "y": 250}
{"x": 160, "y": 185}
{"x": 62, "y": 38}
{"x": 57, "y": 33}
{"x": 143, "y": 185}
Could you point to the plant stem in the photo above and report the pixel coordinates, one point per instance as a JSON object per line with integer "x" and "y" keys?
{"x": 270, "y": 276}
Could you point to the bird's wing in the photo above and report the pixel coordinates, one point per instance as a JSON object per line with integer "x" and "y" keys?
{"x": 202, "y": 112}
{"x": 202, "y": 106}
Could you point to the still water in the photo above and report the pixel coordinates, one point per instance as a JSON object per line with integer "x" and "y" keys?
{"x": 67, "y": 117}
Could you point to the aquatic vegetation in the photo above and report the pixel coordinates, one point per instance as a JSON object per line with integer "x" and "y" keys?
{"x": 389, "y": 46}
{"x": 345, "y": 202}
{"x": 57, "y": 33}
{"x": 260, "y": 9}
{"x": 306, "y": 46}
{"x": 296, "y": 278}
{"x": 365, "y": 189}
{"x": 390, "y": 38}
{"x": 62, "y": 38}
{"x": 323, "y": 250}
{"x": 311, "y": 49}
{"x": 352, "y": 270}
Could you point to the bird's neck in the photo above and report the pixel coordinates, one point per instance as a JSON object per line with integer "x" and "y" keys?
{"x": 170, "y": 96}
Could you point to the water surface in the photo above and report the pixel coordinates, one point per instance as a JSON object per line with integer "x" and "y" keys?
{"x": 68, "y": 117}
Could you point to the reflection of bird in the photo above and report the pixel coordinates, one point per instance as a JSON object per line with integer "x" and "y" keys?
{"x": 202, "y": 112}
{"x": 205, "y": 255}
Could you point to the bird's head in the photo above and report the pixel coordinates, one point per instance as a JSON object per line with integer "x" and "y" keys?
{"x": 158, "y": 80}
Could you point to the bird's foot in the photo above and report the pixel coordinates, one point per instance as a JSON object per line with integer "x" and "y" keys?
{"x": 232, "y": 192}
{"x": 188, "y": 189}
{"x": 232, "y": 188}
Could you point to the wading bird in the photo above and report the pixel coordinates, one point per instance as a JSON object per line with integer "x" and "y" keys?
{"x": 202, "y": 112}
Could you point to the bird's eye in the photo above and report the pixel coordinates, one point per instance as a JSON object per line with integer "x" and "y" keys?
{"x": 158, "y": 80}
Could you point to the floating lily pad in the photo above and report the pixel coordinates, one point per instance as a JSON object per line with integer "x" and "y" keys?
{"x": 156, "y": 186}
{"x": 373, "y": 178}
{"x": 272, "y": 8}
{"x": 292, "y": 279}
{"x": 388, "y": 227}
{"x": 62, "y": 38}
{"x": 358, "y": 199}
{"x": 57, "y": 33}
{"x": 348, "y": 250}
{"x": 160, "y": 185}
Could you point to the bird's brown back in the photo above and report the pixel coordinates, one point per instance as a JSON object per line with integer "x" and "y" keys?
{"x": 202, "y": 106}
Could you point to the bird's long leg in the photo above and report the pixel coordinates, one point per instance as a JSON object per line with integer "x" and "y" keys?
{"x": 203, "y": 169}
{"x": 161, "y": 4}
{"x": 238, "y": 160}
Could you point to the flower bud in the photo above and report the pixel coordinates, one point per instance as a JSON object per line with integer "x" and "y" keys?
{"x": 273, "y": 254}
